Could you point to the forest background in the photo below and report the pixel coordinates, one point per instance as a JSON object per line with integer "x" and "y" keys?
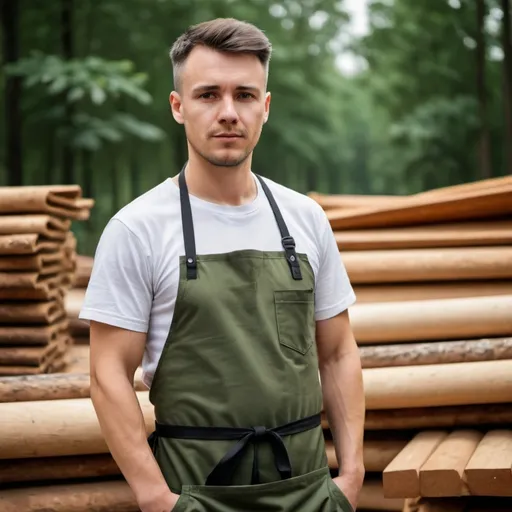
{"x": 427, "y": 103}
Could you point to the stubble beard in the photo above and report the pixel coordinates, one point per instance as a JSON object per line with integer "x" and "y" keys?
{"x": 222, "y": 162}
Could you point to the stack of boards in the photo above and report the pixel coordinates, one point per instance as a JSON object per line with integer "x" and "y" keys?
{"x": 37, "y": 268}
{"x": 79, "y": 329}
{"x": 433, "y": 276}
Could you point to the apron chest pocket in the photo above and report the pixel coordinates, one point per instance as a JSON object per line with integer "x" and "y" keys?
{"x": 295, "y": 316}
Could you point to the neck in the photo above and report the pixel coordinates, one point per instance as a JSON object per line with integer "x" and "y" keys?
{"x": 222, "y": 185}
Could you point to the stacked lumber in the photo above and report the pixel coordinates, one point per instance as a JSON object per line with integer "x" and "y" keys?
{"x": 37, "y": 268}
{"x": 433, "y": 276}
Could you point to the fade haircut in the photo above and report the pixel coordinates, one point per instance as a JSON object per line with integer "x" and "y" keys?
{"x": 224, "y": 35}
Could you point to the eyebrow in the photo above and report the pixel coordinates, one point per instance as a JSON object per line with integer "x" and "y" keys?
{"x": 208, "y": 88}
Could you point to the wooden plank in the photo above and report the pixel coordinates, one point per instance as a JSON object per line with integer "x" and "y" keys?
{"x": 52, "y": 228}
{"x": 57, "y": 468}
{"x": 438, "y": 385}
{"x": 108, "y": 496}
{"x": 441, "y": 475}
{"x": 403, "y": 292}
{"x": 443, "y": 352}
{"x": 372, "y": 497}
{"x": 26, "y": 244}
{"x": 350, "y": 201}
{"x": 417, "y": 265}
{"x": 474, "y": 205}
{"x": 401, "y": 477}
{"x": 27, "y": 429}
{"x": 377, "y": 453}
{"x": 31, "y": 335}
{"x": 461, "y": 234}
{"x": 472, "y": 186}
{"x": 441, "y": 320}
{"x": 489, "y": 472}
{"x": 31, "y": 313}
{"x": 437, "y": 417}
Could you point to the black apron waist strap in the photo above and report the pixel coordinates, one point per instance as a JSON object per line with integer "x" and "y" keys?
{"x": 223, "y": 472}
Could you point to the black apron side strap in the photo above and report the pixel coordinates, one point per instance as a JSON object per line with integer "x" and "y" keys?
{"x": 188, "y": 227}
{"x": 287, "y": 240}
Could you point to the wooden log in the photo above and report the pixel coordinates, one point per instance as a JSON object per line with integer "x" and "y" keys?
{"x": 401, "y": 477}
{"x": 27, "y": 429}
{"x": 58, "y": 200}
{"x": 31, "y": 313}
{"x": 414, "y": 418}
{"x": 400, "y": 292}
{"x": 489, "y": 471}
{"x": 443, "y": 319}
{"x": 438, "y": 385}
{"x": 441, "y": 475}
{"x": 377, "y": 453}
{"x": 57, "y": 386}
{"x": 46, "y": 225}
{"x": 474, "y": 205}
{"x": 51, "y": 469}
{"x": 461, "y": 234}
{"x": 443, "y": 352}
{"x": 31, "y": 335}
{"x": 28, "y": 243}
{"x": 417, "y": 265}
{"x": 108, "y": 496}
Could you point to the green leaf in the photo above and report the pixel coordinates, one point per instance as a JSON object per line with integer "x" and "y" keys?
{"x": 98, "y": 95}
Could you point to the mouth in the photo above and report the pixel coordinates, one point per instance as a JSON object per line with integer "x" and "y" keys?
{"x": 227, "y": 136}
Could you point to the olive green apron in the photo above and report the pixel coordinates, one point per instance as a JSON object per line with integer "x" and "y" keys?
{"x": 236, "y": 392}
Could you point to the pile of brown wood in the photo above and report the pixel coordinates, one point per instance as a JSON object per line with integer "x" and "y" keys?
{"x": 433, "y": 276}
{"x": 37, "y": 268}
{"x": 79, "y": 329}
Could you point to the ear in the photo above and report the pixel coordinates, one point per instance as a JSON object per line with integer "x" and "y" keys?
{"x": 176, "y": 107}
{"x": 267, "y": 107}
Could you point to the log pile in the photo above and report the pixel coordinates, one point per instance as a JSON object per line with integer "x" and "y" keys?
{"x": 74, "y": 299}
{"x": 37, "y": 268}
{"x": 433, "y": 276}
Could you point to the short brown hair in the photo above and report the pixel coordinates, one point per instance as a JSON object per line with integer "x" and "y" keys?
{"x": 224, "y": 35}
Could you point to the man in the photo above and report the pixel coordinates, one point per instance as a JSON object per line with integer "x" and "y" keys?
{"x": 229, "y": 289}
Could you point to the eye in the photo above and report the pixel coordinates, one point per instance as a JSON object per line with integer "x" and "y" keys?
{"x": 206, "y": 95}
{"x": 246, "y": 95}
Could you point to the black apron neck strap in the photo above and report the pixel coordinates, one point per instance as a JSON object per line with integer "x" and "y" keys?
{"x": 286, "y": 240}
{"x": 188, "y": 227}
{"x": 189, "y": 238}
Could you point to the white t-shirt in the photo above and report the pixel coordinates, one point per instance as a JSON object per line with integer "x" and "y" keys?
{"x": 134, "y": 280}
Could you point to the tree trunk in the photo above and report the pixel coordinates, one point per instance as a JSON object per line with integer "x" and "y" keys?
{"x": 485, "y": 143}
{"x": 68, "y": 157}
{"x": 10, "y": 27}
{"x": 507, "y": 72}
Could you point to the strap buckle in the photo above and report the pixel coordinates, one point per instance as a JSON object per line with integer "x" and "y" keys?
{"x": 288, "y": 242}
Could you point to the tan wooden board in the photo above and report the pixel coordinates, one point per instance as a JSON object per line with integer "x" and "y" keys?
{"x": 442, "y": 473}
{"x": 401, "y": 477}
{"x": 50, "y": 227}
{"x": 26, "y": 244}
{"x": 31, "y": 312}
{"x": 436, "y": 320}
{"x": 31, "y": 335}
{"x": 419, "y": 265}
{"x": 474, "y": 205}
{"x": 489, "y": 472}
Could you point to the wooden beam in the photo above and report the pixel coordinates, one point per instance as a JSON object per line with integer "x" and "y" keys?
{"x": 401, "y": 477}
{"x": 441, "y": 474}
{"x": 489, "y": 471}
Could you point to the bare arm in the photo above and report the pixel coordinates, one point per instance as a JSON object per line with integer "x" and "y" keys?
{"x": 343, "y": 395}
{"x": 115, "y": 355}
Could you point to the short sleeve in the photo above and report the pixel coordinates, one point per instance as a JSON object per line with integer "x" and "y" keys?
{"x": 119, "y": 292}
{"x": 334, "y": 293}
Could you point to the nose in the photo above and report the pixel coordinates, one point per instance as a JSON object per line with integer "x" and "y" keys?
{"x": 228, "y": 113}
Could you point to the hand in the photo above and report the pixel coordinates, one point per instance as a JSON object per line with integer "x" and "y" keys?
{"x": 350, "y": 485}
{"x": 162, "y": 503}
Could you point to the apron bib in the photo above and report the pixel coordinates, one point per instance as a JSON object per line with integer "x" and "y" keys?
{"x": 236, "y": 391}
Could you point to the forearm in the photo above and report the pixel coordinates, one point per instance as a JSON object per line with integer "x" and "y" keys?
{"x": 344, "y": 403}
{"x": 123, "y": 427}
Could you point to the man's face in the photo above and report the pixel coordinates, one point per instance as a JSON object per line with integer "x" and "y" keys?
{"x": 222, "y": 103}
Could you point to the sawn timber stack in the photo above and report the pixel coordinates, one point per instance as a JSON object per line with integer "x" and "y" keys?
{"x": 37, "y": 268}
